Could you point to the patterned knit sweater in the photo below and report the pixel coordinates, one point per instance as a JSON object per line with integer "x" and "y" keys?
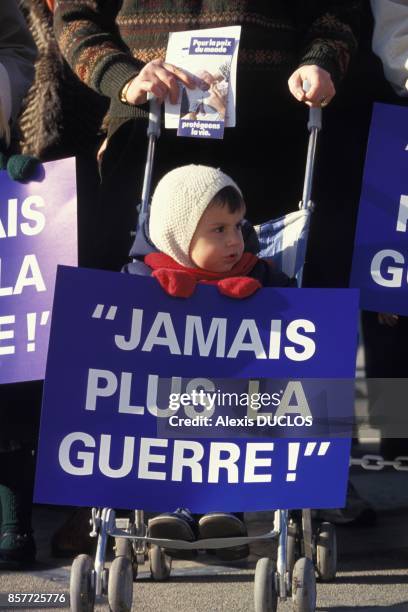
{"x": 106, "y": 42}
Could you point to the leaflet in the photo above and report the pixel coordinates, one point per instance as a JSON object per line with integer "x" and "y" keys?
{"x": 210, "y": 57}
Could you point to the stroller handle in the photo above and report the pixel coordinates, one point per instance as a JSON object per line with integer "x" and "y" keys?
{"x": 315, "y": 112}
{"x": 153, "y": 133}
{"x": 153, "y": 129}
{"x": 314, "y": 126}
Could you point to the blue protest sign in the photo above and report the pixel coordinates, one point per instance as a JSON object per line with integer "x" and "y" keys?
{"x": 118, "y": 340}
{"x": 38, "y": 230}
{"x": 380, "y": 252}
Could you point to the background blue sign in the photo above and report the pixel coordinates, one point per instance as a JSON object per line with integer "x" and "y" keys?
{"x": 38, "y": 230}
{"x": 380, "y": 260}
{"x": 115, "y": 338}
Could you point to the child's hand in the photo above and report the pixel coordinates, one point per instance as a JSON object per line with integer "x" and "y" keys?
{"x": 175, "y": 283}
{"x": 238, "y": 287}
{"x": 387, "y": 318}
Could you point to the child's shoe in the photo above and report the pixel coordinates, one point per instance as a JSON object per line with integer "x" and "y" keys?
{"x": 224, "y": 525}
{"x": 17, "y": 550}
{"x": 178, "y": 525}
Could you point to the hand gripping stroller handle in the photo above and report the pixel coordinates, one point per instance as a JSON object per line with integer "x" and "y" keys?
{"x": 153, "y": 128}
{"x": 315, "y": 112}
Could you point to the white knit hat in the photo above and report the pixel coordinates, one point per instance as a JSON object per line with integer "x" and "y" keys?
{"x": 178, "y": 204}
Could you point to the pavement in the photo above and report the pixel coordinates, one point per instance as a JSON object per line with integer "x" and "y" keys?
{"x": 372, "y": 574}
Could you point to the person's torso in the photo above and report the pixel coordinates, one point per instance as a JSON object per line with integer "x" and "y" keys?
{"x": 269, "y": 50}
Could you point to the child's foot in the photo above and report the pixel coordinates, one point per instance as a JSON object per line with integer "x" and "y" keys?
{"x": 224, "y": 525}
{"x": 178, "y": 525}
{"x": 17, "y": 550}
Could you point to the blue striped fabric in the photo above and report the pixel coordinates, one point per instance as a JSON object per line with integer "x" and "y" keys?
{"x": 285, "y": 240}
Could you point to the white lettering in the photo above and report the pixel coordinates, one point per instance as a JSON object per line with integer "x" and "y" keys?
{"x": 228, "y": 463}
{"x": 194, "y": 329}
{"x": 7, "y": 335}
{"x": 29, "y": 212}
{"x": 87, "y": 458}
{"x": 252, "y": 462}
{"x": 93, "y": 389}
{"x": 134, "y": 338}
{"x": 29, "y": 265}
{"x": 207, "y": 400}
{"x": 124, "y": 395}
{"x": 28, "y": 275}
{"x": 275, "y": 339}
{"x": 163, "y": 319}
{"x": 402, "y": 214}
{"x": 180, "y": 461}
{"x": 394, "y": 272}
{"x": 255, "y": 343}
{"x": 151, "y": 399}
{"x": 146, "y": 457}
{"x": 293, "y": 388}
{"x": 308, "y": 344}
{"x": 127, "y": 462}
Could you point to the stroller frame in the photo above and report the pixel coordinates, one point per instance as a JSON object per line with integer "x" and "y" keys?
{"x": 300, "y": 551}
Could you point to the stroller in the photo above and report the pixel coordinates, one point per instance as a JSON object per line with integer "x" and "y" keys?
{"x": 302, "y": 551}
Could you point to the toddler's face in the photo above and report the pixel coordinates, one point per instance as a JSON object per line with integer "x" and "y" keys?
{"x": 217, "y": 244}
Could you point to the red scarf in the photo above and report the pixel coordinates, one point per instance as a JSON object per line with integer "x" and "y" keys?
{"x": 180, "y": 281}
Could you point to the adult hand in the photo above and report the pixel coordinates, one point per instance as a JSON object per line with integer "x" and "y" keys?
{"x": 101, "y": 150}
{"x": 160, "y": 79}
{"x": 321, "y": 90}
{"x": 4, "y": 126}
{"x": 387, "y": 318}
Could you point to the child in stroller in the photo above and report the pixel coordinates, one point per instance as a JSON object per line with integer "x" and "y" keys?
{"x": 196, "y": 220}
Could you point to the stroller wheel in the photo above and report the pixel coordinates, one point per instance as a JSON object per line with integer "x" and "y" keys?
{"x": 292, "y": 547}
{"x": 265, "y": 596}
{"x": 120, "y": 585}
{"x": 160, "y": 563}
{"x": 326, "y": 552}
{"x": 81, "y": 584}
{"x": 123, "y": 548}
{"x": 304, "y": 586}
